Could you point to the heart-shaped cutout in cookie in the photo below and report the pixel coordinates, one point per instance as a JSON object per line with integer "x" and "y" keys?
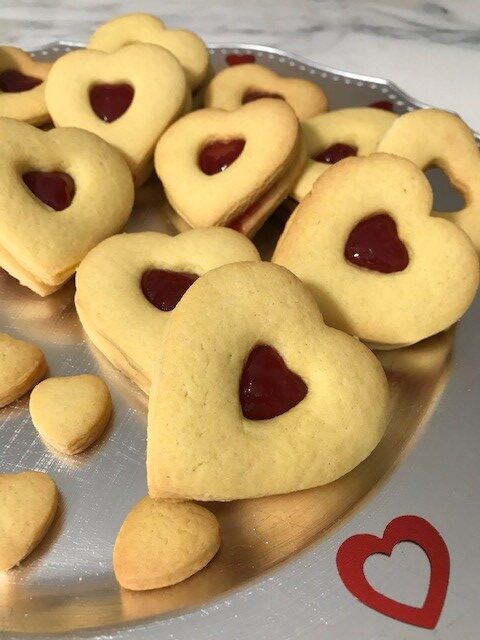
{"x": 137, "y": 92}
{"x": 22, "y": 365}
{"x": 28, "y": 502}
{"x": 186, "y": 46}
{"x": 65, "y": 190}
{"x": 380, "y": 266}
{"x": 129, "y": 284}
{"x": 200, "y": 444}
{"x": 242, "y": 83}
{"x": 162, "y": 543}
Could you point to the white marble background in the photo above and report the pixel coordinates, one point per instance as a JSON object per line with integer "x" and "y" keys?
{"x": 431, "y": 49}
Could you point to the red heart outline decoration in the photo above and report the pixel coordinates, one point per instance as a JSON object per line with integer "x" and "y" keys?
{"x": 353, "y": 553}
{"x": 233, "y": 59}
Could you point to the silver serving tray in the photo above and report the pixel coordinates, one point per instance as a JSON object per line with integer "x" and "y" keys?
{"x": 275, "y": 577}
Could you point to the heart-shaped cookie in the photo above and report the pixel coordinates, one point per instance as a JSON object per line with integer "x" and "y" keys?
{"x": 243, "y": 83}
{"x": 430, "y": 137}
{"x": 339, "y": 134}
{"x": 186, "y": 46}
{"x": 230, "y": 169}
{"x": 22, "y": 365}
{"x": 22, "y": 86}
{"x": 380, "y": 267}
{"x": 258, "y": 396}
{"x": 28, "y": 502}
{"x": 70, "y": 413}
{"x": 162, "y": 543}
{"x": 128, "y": 285}
{"x": 63, "y": 192}
{"x": 128, "y": 97}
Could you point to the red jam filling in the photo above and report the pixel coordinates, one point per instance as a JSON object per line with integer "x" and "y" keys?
{"x": 374, "y": 244}
{"x": 13, "y": 81}
{"x": 110, "y": 101}
{"x": 267, "y": 386}
{"x": 164, "y": 288}
{"x": 219, "y": 155}
{"x": 251, "y": 96}
{"x": 336, "y": 152}
{"x": 386, "y": 105}
{"x": 238, "y": 222}
{"x": 245, "y": 58}
{"x": 54, "y": 188}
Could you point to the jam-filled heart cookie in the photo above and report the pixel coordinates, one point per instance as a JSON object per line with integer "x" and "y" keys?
{"x": 128, "y": 286}
{"x": 258, "y": 396}
{"x": 22, "y": 365}
{"x": 245, "y": 83}
{"x": 63, "y": 191}
{"x": 128, "y": 97}
{"x": 186, "y": 46}
{"x": 163, "y": 542}
{"x": 430, "y": 137}
{"x": 333, "y": 136}
{"x": 22, "y": 86}
{"x": 230, "y": 169}
{"x": 380, "y": 267}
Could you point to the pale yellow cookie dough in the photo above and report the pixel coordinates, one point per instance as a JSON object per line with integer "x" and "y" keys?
{"x": 22, "y": 365}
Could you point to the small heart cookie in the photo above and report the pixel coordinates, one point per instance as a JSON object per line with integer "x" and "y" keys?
{"x": 186, "y": 46}
{"x": 70, "y": 413}
{"x": 230, "y": 169}
{"x": 28, "y": 503}
{"x": 430, "y": 137}
{"x": 332, "y": 136}
{"x": 258, "y": 396}
{"x": 63, "y": 192}
{"x": 128, "y": 97}
{"x": 244, "y": 83}
{"x": 380, "y": 267}
{"x": 162, "y": 543}
{"x": 22, "y": 86}
{"x": 129, "y": 284}
{"x": 22, "y": 365}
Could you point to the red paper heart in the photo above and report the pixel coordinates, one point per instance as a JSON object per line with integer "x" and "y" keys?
{"x": 354, "y": 552}
{"x": 233, "y": 58}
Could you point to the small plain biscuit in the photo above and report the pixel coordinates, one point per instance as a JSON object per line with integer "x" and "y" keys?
{"x": 162, "y": 543}
{"x": 23, "y": 104}
{"x": 359, "y": 127}
{"x": 430, "y": 137}
{"x": 186, "y": 46}
{"x": 159, "y": 97}
{"x": 244, "y": 193}
{"x": 42, "y": 247}
{"x": 242, "y": 83}
{"x": 22, "y": 366}
{"x": 380, "y": 266}
{"x": 200, "y": 444}
{"x": 28, "y": 503}
{"x": 120, "y": 321}
{"x": 71, "y": 412}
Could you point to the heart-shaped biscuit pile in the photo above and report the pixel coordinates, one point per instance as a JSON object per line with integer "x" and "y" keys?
{"x": 22, "y": 365}
{"x": 111, "y": 299}
{"x": 87, "y": 194}
{"x": 261, "y": 350}
{"x": 380, "y": 267}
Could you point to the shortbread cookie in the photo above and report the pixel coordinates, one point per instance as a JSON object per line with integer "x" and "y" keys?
{"x": 128, "y": 97}
{"x": 22, "y": 365}
{"x": 230, "y": 169}
{"x": 129, "y": 284}
{"x": 186, "y": 46}
{"x": 258, "y": 396}
{"x": 75, "y": 190}
{"x": 332, "y": 136}
{"x": 70, "y": 413}
{"x": 22, "y": 86}
{"x": 162, "y": 543}
{"x": 244, "y": 83}
{"x": 380, "y": 267}
{"x": 430, "y": 137}
{"x": 28, "y": 502}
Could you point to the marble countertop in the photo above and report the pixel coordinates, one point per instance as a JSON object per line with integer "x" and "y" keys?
{"x": 429, "y": 48}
